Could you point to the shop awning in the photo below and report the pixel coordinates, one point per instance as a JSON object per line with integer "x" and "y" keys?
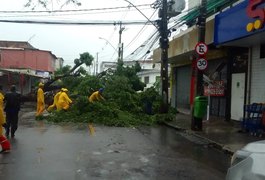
{"x": 213, "y": 6}
{"x": 28, "y": 72}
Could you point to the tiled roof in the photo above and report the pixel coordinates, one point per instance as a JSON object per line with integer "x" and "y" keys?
{"x": 16, "y": 44}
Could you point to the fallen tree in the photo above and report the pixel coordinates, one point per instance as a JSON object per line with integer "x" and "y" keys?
{"x": 67, "y": 71}
{"x": 124, "y": 104}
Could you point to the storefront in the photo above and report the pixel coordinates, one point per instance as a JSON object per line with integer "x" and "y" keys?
{"x": 181, "y": 55}
{"x": 241, "y": 29}
{"x": 24, "y": 79}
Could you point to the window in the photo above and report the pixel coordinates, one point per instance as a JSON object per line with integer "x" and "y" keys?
{"x": 146, "y": 79}
{"x": 262, "y": 51}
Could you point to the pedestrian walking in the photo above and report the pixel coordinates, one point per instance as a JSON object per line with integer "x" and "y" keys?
{"x": 5, "y": 144}
{"x": 64, "y": 101}
{"x": 96, "y": 96}
{"x": 40, "y": 100}
{"x": 12, "y": 102}
{"x": 55, "y": 101}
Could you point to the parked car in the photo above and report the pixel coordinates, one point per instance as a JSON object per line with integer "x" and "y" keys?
{"x": 248, "y": 163}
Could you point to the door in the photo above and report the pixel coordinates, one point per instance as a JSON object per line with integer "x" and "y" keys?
{"x": 237, "y": 95}
{"x": 183, "y": 87}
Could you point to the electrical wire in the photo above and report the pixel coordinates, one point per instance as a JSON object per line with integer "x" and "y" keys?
{"x": 139, "y": 33}
{"x": 75, "y": 10}
{"x": 68, "y": 14}
{"x": 73, "y": 23}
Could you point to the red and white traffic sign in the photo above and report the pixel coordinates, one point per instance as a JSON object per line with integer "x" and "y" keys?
{"x": 202, "y": 64}
{"x": 201, "y": 48}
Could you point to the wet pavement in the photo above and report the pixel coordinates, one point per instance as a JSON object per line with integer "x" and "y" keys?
{"x": 226, "y": 136}
{"x": 45, "y": 151}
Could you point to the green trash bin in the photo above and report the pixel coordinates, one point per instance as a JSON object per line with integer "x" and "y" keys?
{"x": 200, "y": 106}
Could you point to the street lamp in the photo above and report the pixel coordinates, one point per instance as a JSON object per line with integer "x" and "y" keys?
{"x": 107, "y": 42}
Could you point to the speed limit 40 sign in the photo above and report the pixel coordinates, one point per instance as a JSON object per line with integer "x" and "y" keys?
{"x": 202, "y": 64}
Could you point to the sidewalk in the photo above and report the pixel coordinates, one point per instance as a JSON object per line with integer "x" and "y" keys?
{"x": 218, "y": 132}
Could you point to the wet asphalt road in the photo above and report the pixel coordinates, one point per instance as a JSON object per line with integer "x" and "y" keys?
{"x": 42, "y": 151}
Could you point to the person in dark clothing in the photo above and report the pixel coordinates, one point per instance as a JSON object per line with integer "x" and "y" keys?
{"x": 12, "y": 106}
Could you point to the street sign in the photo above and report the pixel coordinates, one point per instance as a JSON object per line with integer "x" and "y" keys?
{"x": 201, "y": 48}
{"x": 202, "y": 64}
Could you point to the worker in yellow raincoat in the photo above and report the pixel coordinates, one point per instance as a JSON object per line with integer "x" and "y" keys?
{"x": 96, "y": 96}
{"x": 5, "y": 144}
{"x": 64, "y": 101}
{"x": 2, "y": 117}
{"x": 55, "y": 101}
{"x": 40, "y": 100}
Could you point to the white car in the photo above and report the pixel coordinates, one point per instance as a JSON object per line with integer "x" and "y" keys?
{"x": 248, "y": 163}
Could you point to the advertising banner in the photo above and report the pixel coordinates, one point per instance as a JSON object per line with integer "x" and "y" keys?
{"x": 215, "y": 89}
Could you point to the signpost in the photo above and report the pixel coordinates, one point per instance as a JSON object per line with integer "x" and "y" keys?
{"x": 201, "y": 49}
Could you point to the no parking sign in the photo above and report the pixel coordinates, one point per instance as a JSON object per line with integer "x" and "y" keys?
{"x": 201, "y": 48}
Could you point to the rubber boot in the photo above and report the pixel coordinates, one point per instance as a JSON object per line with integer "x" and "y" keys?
{"x": 5, "y": 144}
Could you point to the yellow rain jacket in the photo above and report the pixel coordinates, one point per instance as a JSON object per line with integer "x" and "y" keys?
{"x": 40, "y": 101}
{"x": 55, "y": 102}
{"x": 64, "y": 101}
{"x": 2, "y": 117}
{"x": 96, "y": 96}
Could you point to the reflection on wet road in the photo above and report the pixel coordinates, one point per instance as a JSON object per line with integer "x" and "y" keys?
{"x": 77, "y": 152}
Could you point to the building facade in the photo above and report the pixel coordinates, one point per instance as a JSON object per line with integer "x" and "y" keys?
{"x": 182, "y": 59}
{"x": 21, "y": 64}
{"x": 243, "y": 27}
{"x": 235, "y": 72}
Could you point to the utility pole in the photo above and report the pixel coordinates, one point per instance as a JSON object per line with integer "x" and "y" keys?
{"x": 120, "y": 52}
{"x": 97, "y": 64}
{"x": 163, "y": 29}
{"x": 201, "y": 38}
{"x": 197, "y": 75}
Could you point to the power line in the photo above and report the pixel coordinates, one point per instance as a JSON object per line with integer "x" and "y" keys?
{"x": 75, "y": 10}
{"x": 68, "y": 14}
{"x": 74, "y": 23}
{"x": 141, "y": 13}
{"x": 138, "y": 34}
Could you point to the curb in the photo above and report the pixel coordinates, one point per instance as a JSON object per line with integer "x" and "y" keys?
{"x": 211, "y": 143}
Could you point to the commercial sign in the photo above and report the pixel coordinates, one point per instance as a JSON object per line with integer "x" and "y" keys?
{"x": 242, "y": 20}
{"x": 257, "y": 12}
{"x": 217, "y": 88}
{"x": 43, "y": 74}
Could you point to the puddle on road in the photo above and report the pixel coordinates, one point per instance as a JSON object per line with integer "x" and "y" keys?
{"x": 188, "y": 146}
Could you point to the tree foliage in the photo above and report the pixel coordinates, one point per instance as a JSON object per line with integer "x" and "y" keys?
{"x": 71, "y": 72}
{"x": 131, "y": 74}
{"x": 124, "y": 106}
{"x": 33, "y": 4}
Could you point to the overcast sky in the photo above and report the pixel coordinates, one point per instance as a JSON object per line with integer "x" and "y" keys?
{"x": 69, "y": 41}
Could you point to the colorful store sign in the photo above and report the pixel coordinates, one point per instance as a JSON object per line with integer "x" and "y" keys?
{"x": 257, "y": 12}
{"x": 245, "y": 19}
